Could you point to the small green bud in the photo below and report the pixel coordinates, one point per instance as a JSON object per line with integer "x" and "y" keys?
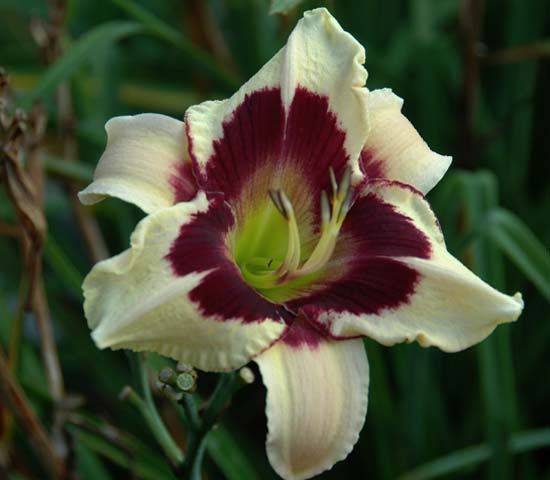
{"x": 171, "y": 393}
{"x": 125, "y": 393}
{"x": 166, "y": 375}
{"x": 183, "y": 367}
{"x": 186, "y": 382}
{"x": 246, "y": 375}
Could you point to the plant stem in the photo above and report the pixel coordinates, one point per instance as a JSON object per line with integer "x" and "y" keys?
{"x": 198, "y": 426}
{"x": 227, "y": 385}
{"x": 155, "y": 424}
{"x": 146, "y": 406}
{"x": 520, "y": 53}
{"x": 16, "y": 400}
{"x": 191, "y": 412}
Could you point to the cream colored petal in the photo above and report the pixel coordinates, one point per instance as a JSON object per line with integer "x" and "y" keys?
{"x": 141, "y": 163}
{"x": 320, "y": 57}
{"x": 451, "y": 307}
{"x": 135, "y": 301}
{"x": 395, "y": 149}
{"x": 316, "y": 404}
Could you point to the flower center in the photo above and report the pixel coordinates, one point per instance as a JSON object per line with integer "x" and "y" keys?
{"x": 270, "y": 276}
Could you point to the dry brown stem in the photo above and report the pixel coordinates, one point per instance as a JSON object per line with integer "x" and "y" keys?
{"x": 531, "y": 51}
{"x": 471, "y": 20}
{"x": 23, "y": 179}
{"x": 206, "y": 32}
{"x": 14, "y": 398}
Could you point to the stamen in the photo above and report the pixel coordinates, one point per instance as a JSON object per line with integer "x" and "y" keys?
{"x": 276, "y": 199}
{"x": 333, "y": 213}
{"x": 325, "y": 211}
{"x": 293, "y": 252}
{"x": 333, "y": 182}
{"x": 346, "y": 205}
{"x": 341, "y": 203}
{"x": 345, "y": 183}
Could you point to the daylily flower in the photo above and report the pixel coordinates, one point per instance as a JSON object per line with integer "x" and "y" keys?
{"x": 283, "y": 224}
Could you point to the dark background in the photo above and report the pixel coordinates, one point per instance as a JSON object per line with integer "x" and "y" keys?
{"x": 475, "y": 76}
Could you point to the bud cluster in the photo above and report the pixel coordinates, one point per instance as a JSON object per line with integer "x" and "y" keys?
{"x": 174, "y": 384}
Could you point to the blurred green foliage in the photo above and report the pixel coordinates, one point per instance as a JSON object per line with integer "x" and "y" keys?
{"x": 474, "y": 75}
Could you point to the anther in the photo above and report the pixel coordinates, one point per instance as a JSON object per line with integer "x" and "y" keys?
{"x": 333, "y": 182}
{"x": 275, "y": 196}
{"x": 345, "y": 183}
{"x": 333, "y": 210}
{"x": 285, "y": 203}
{"x": 346, "y": 205}
{"x": 292, "y": 258}
{"x": 332, "y": 220}
{"x": 325, "y": 210}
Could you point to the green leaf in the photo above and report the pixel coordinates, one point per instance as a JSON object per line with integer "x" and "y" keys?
{"x": 140, "y": 463}
{"x": 517, "y": 241}
{"x": 283, "y": 6}
{"x": 69, "y": 169}
{"x": 88, "y": 464}
{"x": 27, "y": 7}
{"x": 98, "y": 37}
{"x": 62, "y": 266}
{"x": 232, "y": 461}
{"x": 164, "y": 31}
{"x": 471, "y": 456}
{"x": 479, "y": 195}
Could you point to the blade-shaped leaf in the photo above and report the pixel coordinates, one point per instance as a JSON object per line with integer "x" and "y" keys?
{"x": 283, "y": 6}
{"x": 63, "y": 267}
{"x": 141, "y": 463}
{"x": 517, "y": 241}
{"x": 99, "y": 37}
{"x": 471, "y": 456}
{"x": 89, "y": 464}
{"x": 229, "y": 457}
{"x": 157, "y": 27}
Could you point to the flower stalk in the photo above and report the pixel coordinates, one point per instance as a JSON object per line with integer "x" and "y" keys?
{"x": 175, "y": 385}
{"x": 158, "y": 428}
{"x": 228, "y": 385}
{"x": 146, "y": 406}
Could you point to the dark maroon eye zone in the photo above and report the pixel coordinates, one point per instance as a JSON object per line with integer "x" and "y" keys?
{"x": 261, "y": 137}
